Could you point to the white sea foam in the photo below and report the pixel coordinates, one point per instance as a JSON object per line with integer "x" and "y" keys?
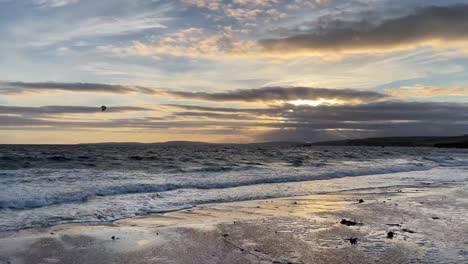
{"x": 47, "y": 196}
{"x": 28, "y": 191}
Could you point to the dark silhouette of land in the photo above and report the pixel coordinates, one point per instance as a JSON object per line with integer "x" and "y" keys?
{"x": 439, "y": 142}
{"x": 416, "y": 141}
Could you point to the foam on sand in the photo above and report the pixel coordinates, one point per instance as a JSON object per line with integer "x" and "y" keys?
{"x": 300, "y": 229}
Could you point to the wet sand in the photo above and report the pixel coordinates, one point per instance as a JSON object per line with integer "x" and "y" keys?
{"x": 429, "y": 223}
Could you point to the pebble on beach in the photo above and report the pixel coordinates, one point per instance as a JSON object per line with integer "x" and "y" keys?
{"x": 353, "y": 240}
{"x": 390, "y": 235}
{"x": 349, "y": 222}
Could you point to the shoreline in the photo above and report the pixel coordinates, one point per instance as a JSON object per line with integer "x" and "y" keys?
{"x": 250, "y": 192}
{"x": 164, "y": 213}
{"x": 298, "y": 229}
{"x": 192, "y": 207}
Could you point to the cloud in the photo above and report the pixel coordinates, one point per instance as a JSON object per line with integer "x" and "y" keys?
{"x": 219, "y": 4}
{"x": 190, "y": 42}
{"x": 265, "y": 94}
{"x": 210, "y": 4}
{"x": 207, "y": 108}
{"x": 420, "y": 91}
{"x": 213, "y": 115}
{"x": 136, "y": 124}
{"x": 285, "y": 122}
{"x": 329, "y": 122}
{"x": 386, "y": 112}
{"x": 371, "y": 120}
{"x": 243, "y": 13}
{"x": 63, "y": 26}
{"x": 23, "y": 87}
{"x": 102, "y": 27}
{"x": 268, "y": 94}
{"x": 429, "y": 26}
{"x": 247, "y": 11}
{"x": 54, "y": 3}
{"x": 55, "y": 109}
{"x": 432, "y": 26}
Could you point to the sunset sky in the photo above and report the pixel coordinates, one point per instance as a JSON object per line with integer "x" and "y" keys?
{"x": 231, "y": 71}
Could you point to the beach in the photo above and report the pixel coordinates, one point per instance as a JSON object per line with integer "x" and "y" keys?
{"x": 428, "y": 221}
{"x": 233, "y": 132}
{"x": 232, "y": 204}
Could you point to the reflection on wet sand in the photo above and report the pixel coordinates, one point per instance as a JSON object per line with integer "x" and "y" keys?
{"x": 305, "y": 229}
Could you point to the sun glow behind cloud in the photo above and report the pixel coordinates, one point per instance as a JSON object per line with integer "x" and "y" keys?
{"x": 318, "y": 102}
{"x": 231, "y": 70}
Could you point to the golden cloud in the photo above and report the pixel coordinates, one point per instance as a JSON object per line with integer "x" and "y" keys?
{"x": 425, "y": 92}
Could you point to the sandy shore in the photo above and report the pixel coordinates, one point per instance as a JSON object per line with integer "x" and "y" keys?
{"x": 429, "y": 222}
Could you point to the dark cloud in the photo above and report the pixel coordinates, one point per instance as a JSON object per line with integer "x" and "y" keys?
{"x": 381, "y": 111}
{"x": 136, "y": 123}
{"x": 311, "y": 134}
{"x": 56, "y": 109}
{"x": 432, "y": 23}
{"x": 370, "y": 120}
{"x": 284, "y": 122}
{"x": 327, "y": 122}
{"x": 247, "y": 95}
{"x": 216, "y": 109}
{"x": 378, "y": 111}
{"x": 213, "y": 115}
{"x": 281, "y": 93}
{"x": 21, "y": 87}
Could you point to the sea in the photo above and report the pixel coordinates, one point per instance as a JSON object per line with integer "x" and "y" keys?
{"x": 45, "y": 185}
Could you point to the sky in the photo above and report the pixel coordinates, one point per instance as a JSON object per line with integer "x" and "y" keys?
{"x": 234, "y": 71}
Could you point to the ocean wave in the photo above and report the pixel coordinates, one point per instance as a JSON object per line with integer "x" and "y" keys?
{"x": 130, "y": 188}
{"x": 59, "y": 158}
{"x": 447, "y": 161}
{"x": 143, "y": 157}
{"x": 47, "y": 185}
{"x": 106, "y": 209}
{"x": 219, "y": 168}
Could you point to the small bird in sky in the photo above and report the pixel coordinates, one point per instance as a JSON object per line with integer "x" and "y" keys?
{"x": 103, "y": 108}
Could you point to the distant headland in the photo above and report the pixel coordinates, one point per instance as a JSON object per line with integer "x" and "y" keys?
{"x": 417, "y": 141}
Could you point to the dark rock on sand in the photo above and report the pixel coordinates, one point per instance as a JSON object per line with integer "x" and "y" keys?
{"x": 408, "y": 231}
{"x": 390, "y": 235}
{"x": 360, "y": 201}
{"x": 353, "y": 240}
{"x": 349, "y": 222}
